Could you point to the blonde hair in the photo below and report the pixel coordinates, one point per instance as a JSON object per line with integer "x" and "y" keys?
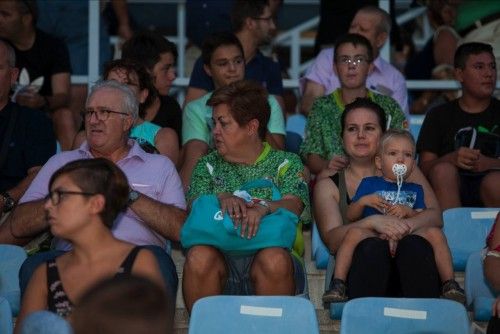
{"x": 396, "y": 133}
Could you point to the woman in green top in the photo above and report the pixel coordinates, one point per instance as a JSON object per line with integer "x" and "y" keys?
{"x": 240, "y": 115}
{"x": 322, "y": 147}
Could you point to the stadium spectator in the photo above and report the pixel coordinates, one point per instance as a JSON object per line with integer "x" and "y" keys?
{"x": 492, "y": 272}
{"x": 43, "y": 61}
{"x": 240, "y": 112}
{"x": 253, "y": 24}
{"x": 458, "y": 142}
{"x": 223, "y": 61}
{"x": 158, "y": 55}
{"x": 156, "y": 199}
{"x": 26, "y": 138}
{"x": 412, "y": 271}
{"x": 84, "y": 198}
{"x": 320, "y": 79}
{"x": 353, "y": 60}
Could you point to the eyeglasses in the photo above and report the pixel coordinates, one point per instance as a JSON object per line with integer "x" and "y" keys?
{"x": 356, "y": 60}
{"x": 225, "y": 63}
{"x": 101, "y": 114}
{"x": 56, "y": 195}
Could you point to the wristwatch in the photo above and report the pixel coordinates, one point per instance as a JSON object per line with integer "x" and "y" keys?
{"x": 8, "y": 202}
{"x": 132, "y": 196}
{"x": 266, "y": 205}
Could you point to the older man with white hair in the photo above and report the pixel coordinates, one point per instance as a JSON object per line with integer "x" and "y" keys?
{"x": 156, "y": 201}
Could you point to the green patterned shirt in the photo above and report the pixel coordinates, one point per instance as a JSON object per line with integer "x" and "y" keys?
{"x": 323, "y": 130}
{"x": 214, "y": 175}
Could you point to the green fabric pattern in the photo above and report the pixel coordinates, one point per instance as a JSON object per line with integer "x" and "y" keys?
{"x": 323, "y": 129}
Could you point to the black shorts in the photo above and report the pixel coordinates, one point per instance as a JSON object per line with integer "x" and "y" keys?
{"x": 469, "y": 189}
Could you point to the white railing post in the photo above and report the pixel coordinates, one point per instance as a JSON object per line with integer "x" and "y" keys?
{"x": 93, "y": 51}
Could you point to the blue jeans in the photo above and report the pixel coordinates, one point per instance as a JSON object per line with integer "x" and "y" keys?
{"x": 167, "y": 269}
{"x": 45, "y": 322}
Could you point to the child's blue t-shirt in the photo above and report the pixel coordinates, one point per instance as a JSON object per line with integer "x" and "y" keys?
{"x": 411, "y": 194}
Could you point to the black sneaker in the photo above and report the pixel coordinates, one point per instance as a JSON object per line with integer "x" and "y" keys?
{"x": 336, "y": 293}
{"x": 452, "y": 290}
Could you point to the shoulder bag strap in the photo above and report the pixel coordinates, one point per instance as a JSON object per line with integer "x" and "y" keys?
{"x": 343, "y": 197}
{"x": 8, "y": 135}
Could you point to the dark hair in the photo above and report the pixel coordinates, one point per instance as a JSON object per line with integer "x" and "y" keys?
{"x": 243, "y": 9}
{"x": 123, "y": 304}
{"x": 365, "y": 103}
{"x": 29, "y": 7}
{"x": 465, "y": 50}
{"x": 143, "y": 77}
{"x": 354, "y": 39}
{"x": 146, "y": 48}
{"x": 396, "y": 133}
{"x": 247, "y": 100}
{"x": 99, "y": 176}
{"x": 217, "y": 40}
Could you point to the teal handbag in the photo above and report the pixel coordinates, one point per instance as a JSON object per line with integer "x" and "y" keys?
{"x": 206, "y": 225}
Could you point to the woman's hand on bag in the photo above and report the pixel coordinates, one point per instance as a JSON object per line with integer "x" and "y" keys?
{"x": 251, "y": 223}
{"x": 234, "y": 206}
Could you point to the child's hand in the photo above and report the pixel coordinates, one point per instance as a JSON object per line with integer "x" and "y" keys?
{"x": 400, "y": 211}
{"x": 375, "y": 201}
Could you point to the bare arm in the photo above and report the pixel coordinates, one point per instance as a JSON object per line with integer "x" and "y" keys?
{"x": 193, "y": 93}
{"x": 164, "y": 219}
{"x": 329, "y": 220}
{"x": 444, "y": 47}
{"x": 60, "y": 91}
{"x": 312, "y": 90}
{"x": 281, "y": 102}
{"x": 276, "y": 140}
{"x": 25, "y": 222}
{"x": 316, "y": 163}
{"x": 167, "y": 143}
{"x": 35, "y": 296}
{"x": 491, "y": 263}
{"x": 146, "y": 265}
{"x": 121, "y": 12}
{"x": 18, "y": 191}
{"x": 193, "y": 151}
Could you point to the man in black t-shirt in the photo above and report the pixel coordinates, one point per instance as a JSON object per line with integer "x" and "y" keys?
{"x": 464, "y": 171}
{"x": 30, "y": 142}
{"x": 43, "y": 61}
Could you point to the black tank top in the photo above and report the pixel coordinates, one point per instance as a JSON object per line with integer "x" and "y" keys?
{"x": 57, "y": 299}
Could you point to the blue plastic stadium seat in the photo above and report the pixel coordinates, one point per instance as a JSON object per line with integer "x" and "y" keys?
{"x": 45, "y": 322}
{"x": 319, "y": 251}
{"x": 404, "y": 316}
{"x": 479, "y": 294}
{"x": 12, "y": 257}
{"x": 415, "y": 124}
{"x": 253, "y": 314}
{"x": 466, "y": 230}
{"x": 6, "y": 326}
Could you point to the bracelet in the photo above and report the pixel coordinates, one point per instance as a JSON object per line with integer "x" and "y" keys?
{"x": 266, "y": 205}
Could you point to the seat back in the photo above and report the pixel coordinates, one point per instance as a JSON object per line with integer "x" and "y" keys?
{"x": 11, "y": 259}
{"x": 45, "y": 322}
{"x": 479, "y": 294}
{"x": 466, "y": 230}
{"x": 253, "y": 314}
{"x": 404, "y": 316}
{"x": 6, "y": 326}
{"x": 319, "y": 251}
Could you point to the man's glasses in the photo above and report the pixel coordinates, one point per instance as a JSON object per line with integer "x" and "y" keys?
{"x": 55, "y": 196}
{"x": 356, "y": 60}
{"x": 101, "y": 114}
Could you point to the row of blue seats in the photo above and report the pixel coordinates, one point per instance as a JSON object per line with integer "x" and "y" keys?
{"x": 290, "y": 315}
